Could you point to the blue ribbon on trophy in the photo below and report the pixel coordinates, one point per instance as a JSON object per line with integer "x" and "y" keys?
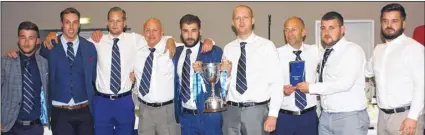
{"x": 43, "y": 116}
{"x": 223, "y": 82}
{"x": 198, "y": 84}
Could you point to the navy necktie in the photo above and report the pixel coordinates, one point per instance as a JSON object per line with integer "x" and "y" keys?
{"x": 145, "y": 82}
{"x": 300, "y": 98}
{"x": 186, "y": 77}
{"x": 28, "y": 93}
{"x": 241, "y": 84}
{"x": 70, "y": 53}
{"x": 325, "y": 58}
{"x": 115, "y": 82}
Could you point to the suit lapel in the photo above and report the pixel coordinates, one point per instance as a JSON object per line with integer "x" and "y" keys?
{"x": 17, "y": 66}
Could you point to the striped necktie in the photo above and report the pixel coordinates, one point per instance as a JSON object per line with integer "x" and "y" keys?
{"x": 28, "y": 93}
{"x": 147, "y": 74}
{"x": 241, "y": 84}
{"x": 300, "y": 98}
{"x": 325, "y": 59}
{"x": 115, "y": 82}
{"x": 70, "y": 53}
{"x": 186, "y": 77}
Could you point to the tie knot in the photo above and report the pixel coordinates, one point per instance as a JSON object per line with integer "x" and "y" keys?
{"x": 297, "y": 52}
{"x": 152, "y": 49}
{"x": 328, "y": 51}
{"x": 243, "y": 44}
{"x": 188, "y": 51}
{"x": 27, "y": 61}
{"x": 70, "y": 44}
{"x": 116, "y": 41}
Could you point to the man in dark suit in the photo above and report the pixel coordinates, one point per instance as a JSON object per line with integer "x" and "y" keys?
{"x": 72, "y": 71}
{"x": 189, "y": 101}
{"x": 23, "y": 86}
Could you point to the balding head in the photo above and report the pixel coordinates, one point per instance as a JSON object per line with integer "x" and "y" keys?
{"x": 295, "y": 32}
{"x": 152, "y": 30}
{"x": 243, "y": 7}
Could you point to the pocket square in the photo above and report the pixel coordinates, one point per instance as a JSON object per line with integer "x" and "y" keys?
{"x": 91, "y": 58}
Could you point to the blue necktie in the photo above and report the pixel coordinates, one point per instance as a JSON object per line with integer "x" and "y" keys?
{"x": 186, "y": 77}
{"x": 115, "y": 82}
{"x": 28, "y": 93}
{"x": 325, "y": 58}
{"x": 300, "y": 98}
{"x": 70, "y": 53}
{"x": 147, "y": 74}
{"x": 241, "y": 84}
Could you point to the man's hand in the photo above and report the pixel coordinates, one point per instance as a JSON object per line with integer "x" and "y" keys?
{"x": 226, "y": 65}
{"x": 303, "y": 87}
{"x": 288, "y": 89}
{"x": 207, "y": 45}
{"x": 270, "y": 124}
{"x": 96, "y": 36}
{"x": 171, "y": 47}
{"x": 12, "y": 54}
{"x": 132, "y": 77}
{"x": 408, "y": 127}
{"x": 48, "y": 40}
{"x": 197, "y": 66}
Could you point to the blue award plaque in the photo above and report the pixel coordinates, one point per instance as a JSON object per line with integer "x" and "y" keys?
{"x": 296, "y": 72}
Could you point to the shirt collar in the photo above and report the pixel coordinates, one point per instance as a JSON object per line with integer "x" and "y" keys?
{"x": 75, "y": 42}
{"x": 250, "y": 39}
{"x": 23, "y": 56}
{"x": 111, "y": 38}
{"x": 338, "y": 44}
{"x": 195, "y": 48}
{"x": 293, "y": 49}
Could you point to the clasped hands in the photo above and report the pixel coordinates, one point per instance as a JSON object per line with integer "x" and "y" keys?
{"x": 224, "y": 65}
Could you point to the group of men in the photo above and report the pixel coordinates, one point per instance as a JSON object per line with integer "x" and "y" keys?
{"x": 87, "y": 84}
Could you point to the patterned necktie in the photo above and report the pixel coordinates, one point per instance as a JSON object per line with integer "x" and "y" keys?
{"x": 28, "y": 91}
{"x": 186, "y": 77}
{"x": 300, "y": 98}
{"x": 70, "y": 53}
{"x": 147, "y": 74}
{"x": 241, "y": 84}
{"x": 115, "y": 82}
{"x": 325, "y": 58}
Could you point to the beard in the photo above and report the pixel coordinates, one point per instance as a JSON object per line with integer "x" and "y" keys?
{"x": 27, "y": 52}
{"x": 328, "y": 45}
{"x": 193, "y": 44}
{"x": 389, "y": 36}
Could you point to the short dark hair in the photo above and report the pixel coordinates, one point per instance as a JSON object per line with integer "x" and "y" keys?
{"x": 113, "y": 9}
{"x": 189, "y": 19}
{"x": 333, "y": 15}
{"x": 70, "y": 10}
{"x": 394, "y": 7}
{"x": 27, "y": 25}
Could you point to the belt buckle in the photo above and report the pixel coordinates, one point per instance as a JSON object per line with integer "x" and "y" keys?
{"x": 113, "y": 97}
{"x": 296, "y": 112}
{"x": 26, "y": 123}
{"x": 69, "y": 107}
{"x": 395, "y": 110}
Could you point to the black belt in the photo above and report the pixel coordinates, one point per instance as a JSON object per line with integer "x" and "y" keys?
{"x": 395, "y": 110}
{"x": 156, "y": 104}
{"x": 28, "y": 122}
{"x": 189, "y": 111}
{"x": 297, "y": 112}
{"x": 246, "y": 104}
{"x": 113, "y": 96}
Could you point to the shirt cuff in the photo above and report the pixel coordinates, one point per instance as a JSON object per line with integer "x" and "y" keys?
{"x": 312, "y": 89}
{"x": 273, "y": 112}
{"x": 414, "y": 114}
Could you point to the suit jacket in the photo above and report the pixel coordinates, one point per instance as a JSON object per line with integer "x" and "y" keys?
{"x": 89, "y": 56}
{"x": 11, "y": 88}
{"x": 212, "y": 56}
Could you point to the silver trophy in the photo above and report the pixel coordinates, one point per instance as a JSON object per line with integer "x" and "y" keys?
{"x": 212, "y": 75}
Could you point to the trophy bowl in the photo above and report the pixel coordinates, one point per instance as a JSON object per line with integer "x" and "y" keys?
{"x": 212, "y": 75}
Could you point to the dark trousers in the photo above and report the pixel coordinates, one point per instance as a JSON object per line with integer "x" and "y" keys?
{"x": 304, "y": 124}
{"x": 114, "y": 117}
{"x": 205, "y": 124}
{"x": 18, "y": 129}
{"x": 72, "y": 122}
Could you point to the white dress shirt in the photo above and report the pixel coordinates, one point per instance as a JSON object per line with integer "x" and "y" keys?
{"x": 310, "y": 54}
{"x": 162, "y": 78}
{"x": 127, "y": 44}
{"x": 263, "y": 72}
{"x": 190, "y": 104}
{"x": 343, "y": 86}
{"x": 75, "y": 45}
{"x": 398, "y": 67}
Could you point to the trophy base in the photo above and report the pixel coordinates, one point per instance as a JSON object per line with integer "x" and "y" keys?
{"x": 214, "y": 110}
{"x": 214, "y": 104}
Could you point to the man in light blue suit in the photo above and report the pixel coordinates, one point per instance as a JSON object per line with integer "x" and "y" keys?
{"x": 23, "y": 86}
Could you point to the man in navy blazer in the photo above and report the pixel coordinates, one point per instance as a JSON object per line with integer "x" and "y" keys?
{"x": 72, "y": 72}
{"x": 189, "y": 101}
